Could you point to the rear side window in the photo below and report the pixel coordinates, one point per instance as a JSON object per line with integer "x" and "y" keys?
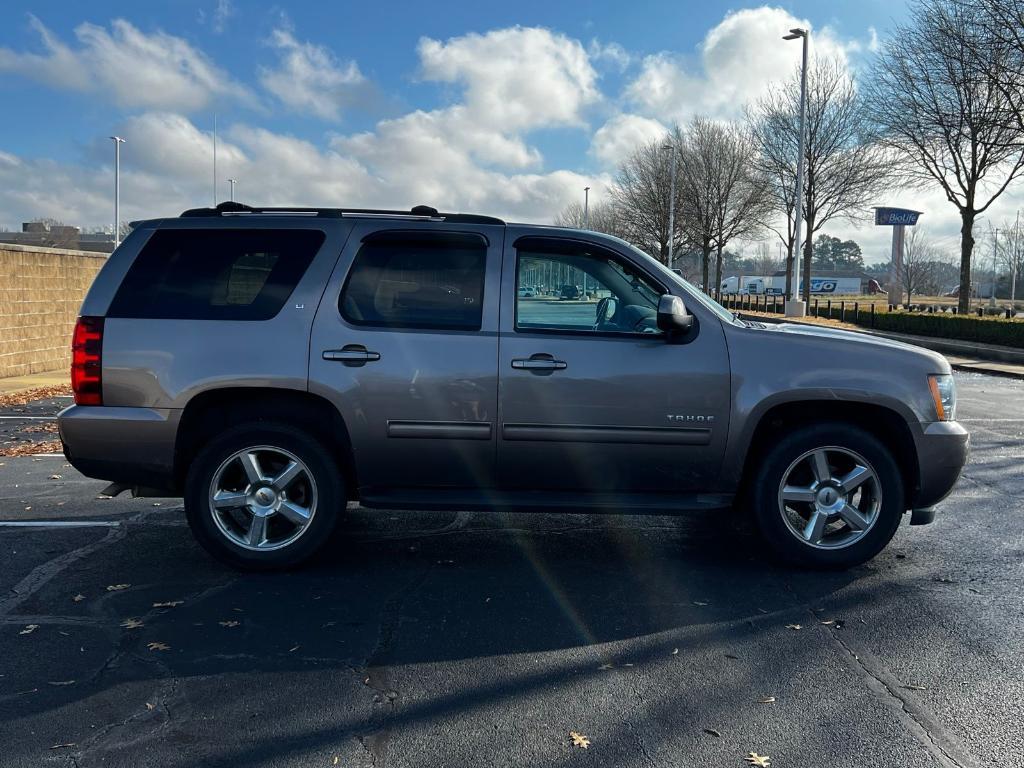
{"x": 216, "y": 274}
{"x": 416, "y": 280}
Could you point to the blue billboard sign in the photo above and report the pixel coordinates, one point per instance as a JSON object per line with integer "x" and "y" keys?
{"x": 896, "y": 217}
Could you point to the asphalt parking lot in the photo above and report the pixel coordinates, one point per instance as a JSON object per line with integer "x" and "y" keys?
{"x": 470, "y": 639}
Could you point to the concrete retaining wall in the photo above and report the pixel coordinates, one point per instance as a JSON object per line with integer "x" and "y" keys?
{"x": 41, "y": 291}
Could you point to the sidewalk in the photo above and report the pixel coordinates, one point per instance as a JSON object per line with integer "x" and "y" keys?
{"x": 965, "y": 356}
{"x": 15, "y": 384}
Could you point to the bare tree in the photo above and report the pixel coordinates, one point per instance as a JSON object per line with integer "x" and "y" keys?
{"x": 724, "y": 195}
{"x": 844, "y": 168}
{"x": 1004, "y": 21}
{"x": 765, "y": 263}
{"x": 1011, "y": 252}
{"x": 641, "y": 195}
{"x": 933, "y": 97}
{"x": 603, "y": 217}
{"x": 922, "y": 264}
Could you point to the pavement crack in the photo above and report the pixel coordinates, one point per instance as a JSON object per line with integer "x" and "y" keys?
{"x": 941, "y": 745}
{"x": 639, "y": 742}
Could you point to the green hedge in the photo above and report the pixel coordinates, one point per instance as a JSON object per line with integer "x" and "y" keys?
{"x": 985, "y": 330}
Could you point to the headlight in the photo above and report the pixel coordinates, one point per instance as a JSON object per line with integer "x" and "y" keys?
{"x": 944, "y": 395}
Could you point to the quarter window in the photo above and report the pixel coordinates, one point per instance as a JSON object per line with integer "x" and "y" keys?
{"x": 415, "y": 280}
{"x": 215, "y": 274}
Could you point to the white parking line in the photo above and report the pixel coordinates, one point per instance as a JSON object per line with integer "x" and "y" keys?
{"x": 30, "y": 418}
{"x": 59, "y": 524}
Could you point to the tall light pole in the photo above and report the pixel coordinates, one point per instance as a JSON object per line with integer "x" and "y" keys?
{"x": 586, "y": 207}
{"x": 232, "y": 182}
{"x": 118, "y": 141}
{"x": 794, "y": 306}
{"x": 670, "y": 148}
{"x": 995, "y": 253}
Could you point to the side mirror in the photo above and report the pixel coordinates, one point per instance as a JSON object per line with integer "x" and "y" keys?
{"x": 672, "y": 314}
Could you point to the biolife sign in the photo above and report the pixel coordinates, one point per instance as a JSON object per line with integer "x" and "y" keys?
{"x": 898, "y": 219}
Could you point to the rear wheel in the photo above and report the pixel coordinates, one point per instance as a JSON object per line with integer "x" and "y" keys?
{"x": 263, "y": 497}
{"x": 829, "y": 496}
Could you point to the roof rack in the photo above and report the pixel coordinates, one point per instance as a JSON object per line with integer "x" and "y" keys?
{"x": 418, "y": 213}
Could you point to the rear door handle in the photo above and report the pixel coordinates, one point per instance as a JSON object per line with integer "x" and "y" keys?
{"x": 540, "y": 363}
{"x": 352, "y": 355}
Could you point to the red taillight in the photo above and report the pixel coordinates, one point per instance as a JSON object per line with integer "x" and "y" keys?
{"x": 86, "y": 368}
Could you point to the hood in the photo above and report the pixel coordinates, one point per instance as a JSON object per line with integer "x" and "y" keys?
{"x": 858, "y": 337}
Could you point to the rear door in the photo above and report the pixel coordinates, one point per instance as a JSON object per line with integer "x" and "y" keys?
{"x": 593, "y": 398}
{"x": 405, "y": 344}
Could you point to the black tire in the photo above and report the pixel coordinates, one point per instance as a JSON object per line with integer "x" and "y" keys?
{"x": 773, "y": 465}
{"x": 329, "y": 489}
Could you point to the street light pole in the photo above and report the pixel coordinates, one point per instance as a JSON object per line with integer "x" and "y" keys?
{"x": 995, "y": 253}
{"x": 586, "y": 207}
{"x": 118, "y": 141}
{"x": 670, "y": 148}
{"x": 794, "y": 306}
{"x": 232, "y": 182}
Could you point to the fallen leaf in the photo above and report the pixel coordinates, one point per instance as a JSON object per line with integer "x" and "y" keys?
{"x": 157, "y": 504}
{"x": 62, "y": 682}
{"x": 761, "y": 761}
{"x": 117, "y": 587}
{"x": 699, "y": 602}
{"x": 229, "y": 623}
{"x": 56, "y": 477}
{"x": 730, "y": 656}
{"x": 292, "y": 650}
{"x": 78, "y": 598}
{"x": 579, "y": 740}
{"x": 766, "y": 700}
{"x": 915, "y": 687}
{"x": 168, "y": 604}
{"x": 336, "y": 760}
{"x": 158, "y": 646}
{"x": 29, "y": 629}
{"x": 794, "y": 626}
{"x": 104, "y": 496}
{"x": 712, "y": 732}
{"x": 62, "y": 746}
{"x": 675, "y": 651}
{"x": 150, "y": 707}
{"x": 605, "y": 667}
{"x": 131, "y": 624}
{"x": 829, "y": 622}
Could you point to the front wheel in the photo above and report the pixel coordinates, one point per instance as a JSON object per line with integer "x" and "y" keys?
{"x": 263, "y": 497}
{"x": 828, "y": 496}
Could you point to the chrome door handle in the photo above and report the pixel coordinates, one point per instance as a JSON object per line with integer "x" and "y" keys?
{"x": 351, "y": 354}
{"x": 538, "y": 363}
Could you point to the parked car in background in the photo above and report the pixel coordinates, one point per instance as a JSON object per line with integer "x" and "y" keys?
{"x": 272, "y": 364}
{"x": 570, "y": 292}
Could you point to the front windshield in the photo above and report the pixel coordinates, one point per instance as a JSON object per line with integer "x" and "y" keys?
{"x": 698, "y": 295}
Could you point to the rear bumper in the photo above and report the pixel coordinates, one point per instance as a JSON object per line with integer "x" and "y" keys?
{"x": 133, "y": 446}
{"x": 942, "y": 451}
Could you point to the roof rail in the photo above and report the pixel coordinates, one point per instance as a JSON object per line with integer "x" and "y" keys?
{"x": 420, "y": 213}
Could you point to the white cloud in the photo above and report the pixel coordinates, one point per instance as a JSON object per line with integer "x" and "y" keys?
{"x": 138, "y": 69}
{"x": 612, "y": 53}
{"x": 516, "y": 78}
{"x": 616, "y": 140}
{"x": 736, "y": 61}
{"x": 310, "y": 79}
{"x": 225, "y": 10}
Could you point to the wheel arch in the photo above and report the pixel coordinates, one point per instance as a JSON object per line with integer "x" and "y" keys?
{"x": 889, "y": 426}
{"x": 212, "y": 411}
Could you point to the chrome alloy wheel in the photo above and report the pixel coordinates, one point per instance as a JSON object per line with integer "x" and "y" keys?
{"x": 262, "y": 498}
{"x": 830, "y": 497}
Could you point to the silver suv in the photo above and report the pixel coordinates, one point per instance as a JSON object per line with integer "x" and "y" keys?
{"x": 271, "y": 365}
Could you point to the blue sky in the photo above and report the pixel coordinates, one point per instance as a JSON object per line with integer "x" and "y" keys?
{"x": 506, "y": 108}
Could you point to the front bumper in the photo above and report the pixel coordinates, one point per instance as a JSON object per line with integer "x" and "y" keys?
{"x": 132, "y": 446}
{"x": 942, "y": 451}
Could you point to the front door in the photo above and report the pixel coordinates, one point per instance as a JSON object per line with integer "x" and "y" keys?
{"x": 405, "y": 344}
{"x": 593, "y": 398}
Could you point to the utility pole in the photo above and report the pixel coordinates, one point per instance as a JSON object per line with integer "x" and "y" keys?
{"x": 118, "y": 141}
{"x": 214, "y": 159}
{"x": 995, "y": 252}
{"x": 670, "y": 148}
{"x": 794, "y": 306}
{"x": 586, "y": 207}
{"x": 232, "y": 182}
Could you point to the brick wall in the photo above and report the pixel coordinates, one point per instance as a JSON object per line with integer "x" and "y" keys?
{"x": 41, "y": 291}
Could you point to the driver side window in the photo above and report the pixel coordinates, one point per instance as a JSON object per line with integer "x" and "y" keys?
{"x": 582, "y": 291}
